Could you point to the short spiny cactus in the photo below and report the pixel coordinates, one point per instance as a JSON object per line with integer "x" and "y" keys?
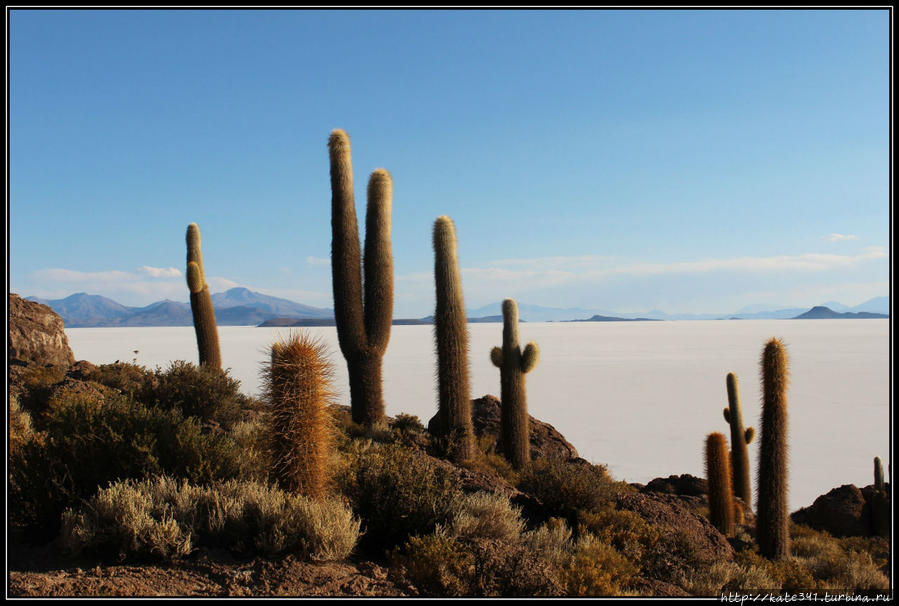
{"x": 299, "y": 391}
{"x": 201, "y": 302}
{"x": 772, "y": 516}
{"x": 513, "y": 365}
{"x": 721, "y": 499}
{"x": 363, "y": 326}
{"x": 451, "y": 335}
{"x": 740, "y": 438}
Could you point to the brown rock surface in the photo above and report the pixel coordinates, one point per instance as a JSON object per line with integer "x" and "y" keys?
{"x": 843, "y": 512}
{"x": 546, "y": 441}
{"x": 36, "y": 334}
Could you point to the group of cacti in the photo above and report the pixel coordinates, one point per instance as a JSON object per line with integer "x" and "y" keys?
{"x": 728, "y": 476}
{"x": 297, "y": 380}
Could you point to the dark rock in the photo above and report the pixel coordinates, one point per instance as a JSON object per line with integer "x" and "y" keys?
{"x": 704, "y": 541}
{"x": 842, "y": 512}
{"x": 684, "y": 484}
{"x": 36, "y": 334}
{"x": 546, "y": 441}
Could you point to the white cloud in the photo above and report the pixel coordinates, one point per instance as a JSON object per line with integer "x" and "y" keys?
{"x": 318, "y": 260}
{"x": 161, "y": 272}
{"x": 839, "y": 237}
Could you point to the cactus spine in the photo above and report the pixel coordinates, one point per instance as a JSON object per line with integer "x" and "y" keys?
{"x": 201, "y": 302}
{"x": 878, "y": 474}
{"x": 772, "y": 519}
{"x": 739, "y": 438}
{"x": 363, "y": 330}
{"x": 451, "y": 335}
{"x": 513, "y": 365}
{"x": 721, "y": 499}
{"x": 298, "y": 388}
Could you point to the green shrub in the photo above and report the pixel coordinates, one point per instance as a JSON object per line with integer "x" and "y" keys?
{"x": 130, "y": 379}
{"x": 91, "y": 441}
{"x": 436, "y": 564}
{"x": 565, "y": 487}
{"x": 205, "y": 392}
{"x": 397, "y": 492}
{"x": 624, "y": 530}
{"x": 163, "y": 518}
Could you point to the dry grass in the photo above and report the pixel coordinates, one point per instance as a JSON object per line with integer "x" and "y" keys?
{"x": 162, "y": 518}
{"x": 486, "y": 515}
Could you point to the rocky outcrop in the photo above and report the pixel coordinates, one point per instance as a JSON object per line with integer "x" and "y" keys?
{"x": 36, "y": 335}
{"x": 684, "y": 484}
{"x": 546, "y": 441}
{"x": 847, "y": 511}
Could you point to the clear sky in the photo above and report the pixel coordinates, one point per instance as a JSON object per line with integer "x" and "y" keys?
{"x": 682, "y": 160}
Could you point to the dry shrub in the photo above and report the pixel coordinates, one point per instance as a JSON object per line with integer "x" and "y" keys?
{"x": 596, "y": 569}
{"x": 565, "y": 487}
{"x": 435, "y": 563}
{"x": 485, "y": 515}
{"x": 162, "y": 518}
{"x": 552, "y": 541}
{"x": 624, "y": 530}
{"x": 397, "y": 492}
{"x": 20, "y": 429}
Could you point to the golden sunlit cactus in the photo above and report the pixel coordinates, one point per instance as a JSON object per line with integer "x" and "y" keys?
{"x": 772, "y": 516}
{"x": 513, "y": 365}
{"x": 363, "y": 327}
{"x": 451, "y": 335}
{"x": 740, "y": 439}
{"x": 201, "y": 302}
{"x": 721, "y": 499}
{"x": 298, "y": 388}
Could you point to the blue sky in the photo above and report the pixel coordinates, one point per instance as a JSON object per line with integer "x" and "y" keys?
{"x": 689, "y": 161}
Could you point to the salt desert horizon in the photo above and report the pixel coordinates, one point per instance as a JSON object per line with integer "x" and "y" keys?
{"x": 637, "y": 397}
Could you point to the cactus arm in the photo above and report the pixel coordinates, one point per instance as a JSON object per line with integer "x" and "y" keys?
{"x": 195, "y": 251}
{"x": 727, "y": 415}
{"x": 194, "y": 277}
{"x": 378, "y": 262}
{"x": 749, "y": 435}
{"x": 529, "y": 357}
{"x": 346, "y": 261}
{"x": 496, "y": 356}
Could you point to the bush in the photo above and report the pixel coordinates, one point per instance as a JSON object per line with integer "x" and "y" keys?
{"x": 565, "y": 487}
{"x": 162, "y": 518}
{"x": 397, "y": 492}
{"x": 90, "y": 442}
{"x": 130, "y": 379}
{"x": 205, "y": 392}
{"x": 485, "y": 515}
{"x": 596, "y": 569}
{"x": 20, "y": 430}
{"x": 626, "y": 531}
{"x": 436, "y": 564}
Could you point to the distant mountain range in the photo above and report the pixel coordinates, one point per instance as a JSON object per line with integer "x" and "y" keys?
{"x": 821, "y": 312}
{"x": 234, "y": 307}
{"x": 243, "y": 307}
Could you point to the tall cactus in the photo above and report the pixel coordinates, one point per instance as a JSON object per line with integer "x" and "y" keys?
{"x": 513, "y": 365}
{"x": 772, "y": 518}
{"x": 739, "y": 438}
{"x": 201, "y": 302}
{"x": 363, "y": 330}
{"x": 721, "y": 498}
{"x": 299, "y": 391}
{"x": 878, "y": 474}
{"x": 451, "y": 335}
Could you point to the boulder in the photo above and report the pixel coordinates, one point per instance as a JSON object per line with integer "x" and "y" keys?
{"x": 684, "y": 484}
{"x": 546, "y": 441}
{"x": 842, "y": 512}
{"x": 36, "y": 334}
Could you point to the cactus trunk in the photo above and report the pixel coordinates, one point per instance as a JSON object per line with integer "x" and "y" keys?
{"x": 201, "y": 302}
{"x": 363, "y": 327}
{"x": 451, "y": 336}
{"x": 739, "y": 440}
{"x": 721, "y": 500}
{"x": 772, "y": 517}
{"x": 878, "y": 474}
{"x": 513, "y": 366}
{"x": 299, "y": 392}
